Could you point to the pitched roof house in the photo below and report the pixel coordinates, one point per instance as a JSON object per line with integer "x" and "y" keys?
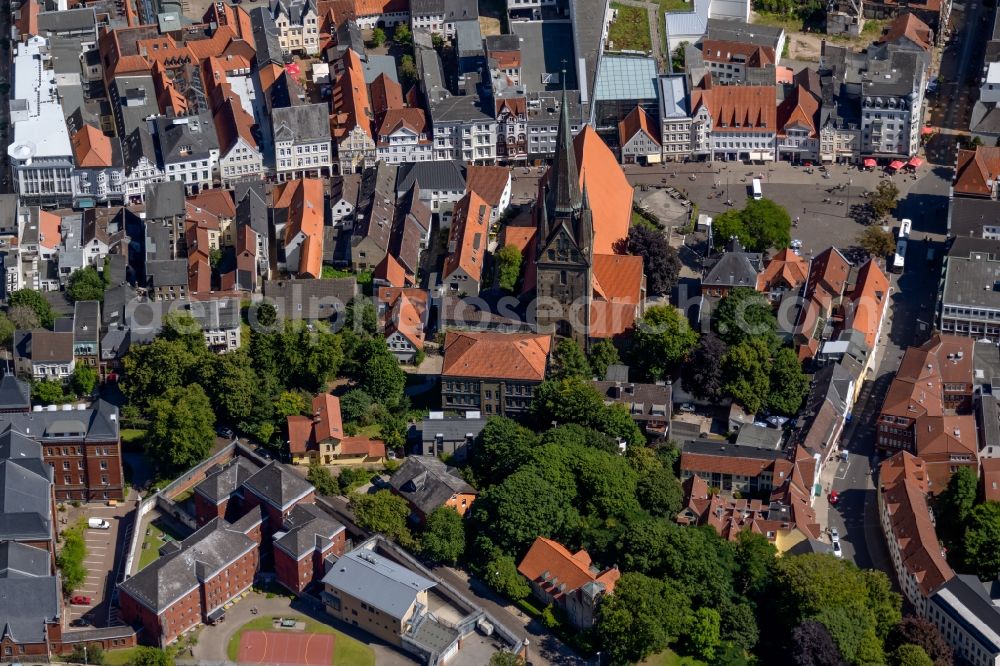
{"x": 298, "y": 209}
{"x": 783, "y": 273}
{"x": 976, "y": 172}
{"x": 427, "y": 483}
{"x": 312, "y": 437}
{"x": 467, "y": 242}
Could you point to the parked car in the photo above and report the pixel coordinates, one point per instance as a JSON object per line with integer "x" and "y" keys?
{"x": 80, "y": 600}
{"x": 225, "y": 432}
{"x": 837, "y": 550}
{"x": 98, "y": 524}
{"x": 834, "y": 534}
{"x": 833, "y": 498}
{"x": 80, "y": 622}
{"x": 687, "y": 407}
{"x": 777, "y": 421}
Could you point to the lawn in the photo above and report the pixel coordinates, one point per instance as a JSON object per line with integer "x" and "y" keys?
{"x": 676, "y": 6}
{"x": 346, "y": 650}
{"x": 152, "y": 542}
{"x": 670, "y": 658}
{"x": 630, "y": 29}
{"x": 640, "y": 220}
{"x": 133, "y": 436}
{"x": 118, "y": 657}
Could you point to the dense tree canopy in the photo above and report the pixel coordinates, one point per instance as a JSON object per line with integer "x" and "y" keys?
{"x": 182, "y": 428}
{"x": 915, "y": 630}
{"x": 745, "y": 369}
{"x": 789, "y": 385}
{"x": 443, "y": 538}
{"x": 702, "y": 374}
{"x": 982, "y": 540}
{"x": 744, "y": 313}
{"x": 876, "y": 241}
{"x": 568, "y": 361}
{"x": 760, "y": 226}
{"x": 660, "y": 261}
{"x": 84, "y": 379}
{"x": 508, "y": 266}
{"x": 36, "y": 302}
{"x": 384, "y": 513}
{"x": 812, "y": 645}
{"x": 575, "y": 400}
{"x": 603, "y": 353}
{"x": 663, "y": 338}
{"x": 85, "y": 284}
{"x": 644, "y": 616}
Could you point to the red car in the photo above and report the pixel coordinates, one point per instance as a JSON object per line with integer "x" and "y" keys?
{"x": 834, "y": 498}
{"x": 80, "y": 600}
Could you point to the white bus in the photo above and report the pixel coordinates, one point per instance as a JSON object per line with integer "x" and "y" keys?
{"x": 900, "y": 257}
{"x": 904, "y": 229}
{"x": 758, "y": 193}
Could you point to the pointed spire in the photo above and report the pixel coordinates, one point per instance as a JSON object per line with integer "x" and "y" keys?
{"x": 585, "y": 226}
{"x": 565, "y": 178}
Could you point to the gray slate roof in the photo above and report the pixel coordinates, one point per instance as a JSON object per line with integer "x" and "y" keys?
{"x": 266, "y": 38}
{"x": 199, "y": 557}
{"x": 300, "y": 124}
{"x": 98, "y": 423}
{"x": 165, "y": 200}
{"x": 14, "y": 393}
{"x": 377, "y": 581}
{"x": 427, "y": 483}
{"x": 451, "y": 429}
{"x": 68, "y": 20}
{"x": 166, "y": 272}
{"x": 970, "y": 604}
{"x": 430, "y": 176}
{"x": 26, "y": 605}
{"x": 251, "y": 207}
{"x": 308, "y": 527}
{"x": 222, "y": 481}
{"x": 25, "y": 486}
{"x": 86, "y": 321}
{"x": 185, "y": 139}
{"x": 276, "y": 485}
{"x": 735, "y": 268}
{"x": 310, "y": 299}
{"x": 19, "y": 560}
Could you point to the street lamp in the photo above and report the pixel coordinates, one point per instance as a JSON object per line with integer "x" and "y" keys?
{"x": 850, "y": 181}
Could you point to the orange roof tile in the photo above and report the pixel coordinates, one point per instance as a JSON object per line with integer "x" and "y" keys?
{"x": 385, "y": 94}
{"x": 522, "y": 238}
{"x": 552, "y": 566}
{"x": 406, "y": 313}
{"x": 392, "y": 272}
{"x": 868, "y": 302}
{"x": 977, "y": 171}
{"x": 300, "y": 429}
{"x": 608, "y": 191}
{"x": 27, "y": 22}
{"x": 217, "y": 201}
{"x": 489, "y": 182}
{"x": 303, "y": 198}
{"x": 738, "y": 109}
{"x": 618, "y": 277}
{"x": 909, "y": 26}
{"x": 394, "y": 120}
{"x": 783, "y": 269}
{"x": 49, "y": 235}
{"x": 799, "y": 109}
{"x": 371, "y": 448}
{"x": 636, "y": 121}
{"x": 350, "y": 98}
{"x": 718, "y": 50}
{"x": 91, "y": 148}
{"x": 469, "y": 236}
{"x": 991, "y": 479}
{"x": 327, "y": 422}
{"x": 514, "y": 356}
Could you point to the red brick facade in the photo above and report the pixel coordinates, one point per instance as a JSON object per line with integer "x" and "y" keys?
{"x": 296, "y": 575}
{"x": 85, "y": 471}
{"x": 205, "y": 510}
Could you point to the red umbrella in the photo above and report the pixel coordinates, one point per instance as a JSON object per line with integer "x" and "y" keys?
{"x": 292, "y": 69}
{"x": 895, "y": 164}
{"x": 870, "y": 162}
{"x": 927, "y": 130}
{"x": 914, "y": 162}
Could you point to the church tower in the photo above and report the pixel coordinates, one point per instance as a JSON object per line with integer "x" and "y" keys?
{"x": 564, "y": 244}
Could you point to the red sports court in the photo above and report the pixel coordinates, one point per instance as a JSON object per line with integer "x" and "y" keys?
{"x": 280, "y": 647}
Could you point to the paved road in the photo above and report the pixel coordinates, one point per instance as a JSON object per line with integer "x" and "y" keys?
{"x": 856, "y": 516}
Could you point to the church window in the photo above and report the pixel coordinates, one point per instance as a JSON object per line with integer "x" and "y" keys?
{"x": 562, "y": 277}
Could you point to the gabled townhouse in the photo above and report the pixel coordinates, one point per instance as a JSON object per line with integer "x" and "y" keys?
{"x": 214, "y": 209}
{"x": 298, "y": 221}
{"x": 188, "y": 149}
{"x": 98, "y": 237}
{"x": 676, "y": 139}
{"x": 427, "y": 483}
{"x": 252, "y": 212}
{"x": 567, "y": 580}
{"x": 829, "y": 274}
{"x": 375, "y": 217}
{"x": 166, "y": 212}
{"x": 352, "y": 117}
{"x": 404, "y": 136}
{"x": 344, "y": 191}
{"x": 736, "y": 62}
{"x": 403, "y": 314}
{"x": 493, "y": 184}
{"x": 465, "y": 126}
{"x": 492, "y": 373}
{"x": 467, "y": 244}
{"x": 167, "y": 279}
{"x": 733, "y": 269}
{"x": 411, "y": 232}
{"x": 784, "y": 274}
{"x": 239, "y": 156}
{"x": 310, "y": 300}
{"x": 99, "y": 173}
{"x": 87, "y": 333}
{"x": 42, "y": 354}
{"x": 734, "y": 122}
{"x": 798, "y": 118}
{"x": 637, "y": 137}
{"x": 649, "y": 405}
{"x": 241, "y": 273}
{"x": 441, "y": 16}
{"x": 316, "y": 437}
{"x": 927, "y": 410}
{"x": 908, "y": 525}
{"x": 133, "y": 101}
{"x": 441, "y": 184}
{"x": 298, "y": 25}
{"x": 301, "y": 141}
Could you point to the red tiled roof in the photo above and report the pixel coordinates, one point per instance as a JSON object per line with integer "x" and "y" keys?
{"x": 392, "y": 272}
{"x": 868, "y": 302}
{"x": 385, "y": 94}
{"x": 799, "y": 109}
{"x": 991, "y": 479}
{"x": 91, "y": 148}
{"x": 977, "y": 171}
{"x": 217, "y": 201}
{"x": 357, "y": 445}
{"x": 49, "y": 229}
{"x": 489, "y": 182}
{"x": 636, "y": 121}
{"x": 738, "y": 109}
{"x": 406, "y": 309}
{"x": 515, "y": 356}
{"x": 784, "y": 268}
{"x": 910, "y": 27}
{"x": 303, "y": 198}
{"x": 550, "y": 565}
{"x": 350, "y": 98}
{"x": 718, "y": 50}
{"x": 608, "y": 191}
{"x": 409, "y": 118}
{"x": 470, "y": 236}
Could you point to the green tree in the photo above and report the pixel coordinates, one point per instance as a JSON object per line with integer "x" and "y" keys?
{"x": 568, "y": 360}
{"x": 402, "y": 35}
{"x": 953, "y": 506}
{"x": 508, "y": 263}
{"x": 70, "y": 559}
{"x": 745, "y": 368}
{"x": 181, "y": 430}
{"x": 504, "y": 658}
{"x": 768, "y": 224}
{"x": 92, "y": 653}
{"x": 443, "y": 538}
{"x": 355, "y": 406}
{"x": 678, "y": 56}
{"x": 575, "y": 400}
{"x": 152, "y": 370}
{"x": 660, "y": 494}
{"x": 663, "y": 338}
{"x": 789, "y": 385}
{"x": 661, "y": 263}
{"x": 501, "y": 447}
{"x": 501, "y": 574}
{"x": 309, "y": 358}
{"x": 702, "y": 633}
{"x": 922, "y": 632}
{"x": 644, "y": 616}
{"x": 84, "y": 379}
{"x": 407, "y": 69}
{"x": 380, "y": 375}
{"x": 48, "y": 392}
{"x": 23, "y": 317}
{"x": 150, "y": 656}
{"x": 85, "y": 284}
{"x": 384, "y": 513}
{"x": 755, "y": 561}
{"x": 378, "y": 37}
{"x": 603, "y": 354}
{"x": 876, "y": 241}
{"x": 883, "y": 601}
{"x": 910, "y": 655}
{"x": 290, "y": 403}
{"x": 184, "y": 329}
{"x": 320, "y": 477}
{"x": 361, "y": 316}
{"x": 36, "y": 301}
{"x": 883, "y": 199}
{"x": 233, "y": 386}
{"x": 982, "y": 540}
{"x": 727, "y": 226}
{"x": 702, "y": 374}
{"x": 6, "y": 331}
{"x": 744, "y": 313}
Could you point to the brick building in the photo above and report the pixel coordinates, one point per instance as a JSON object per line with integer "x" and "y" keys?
{"x": 301, "y": 551}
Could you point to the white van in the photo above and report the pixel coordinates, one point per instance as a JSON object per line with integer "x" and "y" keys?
{"x": 98, "y": 524}
{"x": 758, "y": 193}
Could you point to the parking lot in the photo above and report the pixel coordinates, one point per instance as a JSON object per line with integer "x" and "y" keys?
{"x": 104, "y": 548}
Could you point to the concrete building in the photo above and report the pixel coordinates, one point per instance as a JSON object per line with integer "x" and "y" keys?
{"x": 964, "y": 609}
{"x": 675, "y": 117}
{"x": 188, "y": 150}
{"x": 450, "y": 435}
{"x": 302, "y": 141}
{"x": 298, "y": 25}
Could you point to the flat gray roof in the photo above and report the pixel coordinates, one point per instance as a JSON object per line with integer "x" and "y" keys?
{"x": 546, "y": 50}
{"x": 377, "y": 580}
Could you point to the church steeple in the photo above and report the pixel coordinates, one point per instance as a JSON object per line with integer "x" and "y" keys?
{"x": 565, "y": 179}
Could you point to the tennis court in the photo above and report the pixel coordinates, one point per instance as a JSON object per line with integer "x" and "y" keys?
{"x": 279, "y": 647}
